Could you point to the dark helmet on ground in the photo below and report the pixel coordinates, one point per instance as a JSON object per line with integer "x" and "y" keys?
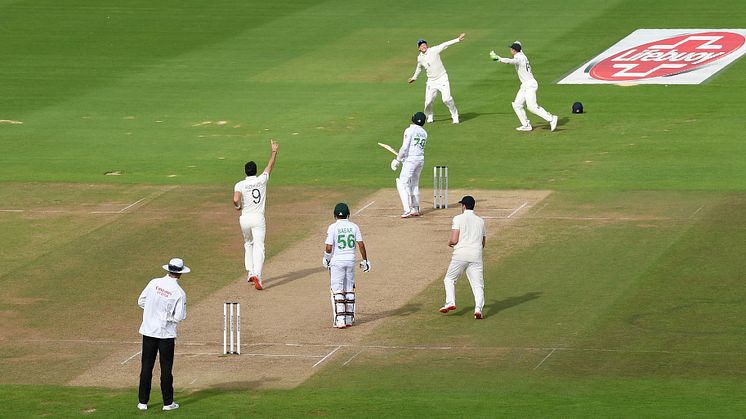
{"x": 419, "y": 118}
{"x": 341, "y": 210}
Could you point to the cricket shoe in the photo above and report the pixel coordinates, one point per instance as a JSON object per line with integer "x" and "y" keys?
{"x": 478, "y": 315}
{"x": 257, "y": 282}
{"x": 407, "y": 214}
{"x": 172, "y": 406}
{"x": 455, "y": 120}
{"x": 447, "y": 308}
{"x": 553, "y": 123}
{"x": 142, "y": 406}
{"x": 430, "y": 119}
{"x": 526, "y": 127}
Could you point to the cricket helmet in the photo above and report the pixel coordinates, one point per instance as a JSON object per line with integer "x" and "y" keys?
{"x": 419, "y": 118}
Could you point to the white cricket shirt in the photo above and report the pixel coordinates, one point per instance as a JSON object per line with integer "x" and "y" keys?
{"x": 164, "y": 305}
{"x": 413, "y": 144}
{"x": 430, "y": 61}
{"x": 471, "y": 231}
{"x": 343, "y": 235}
{"x": 253, "y": 191}
{"x": 522, "y": 67}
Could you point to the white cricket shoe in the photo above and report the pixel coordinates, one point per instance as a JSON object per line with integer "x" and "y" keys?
{"x": 455, "y": 120}
{"x": 407, "y": 214}
{"x": 172, "y": 406}
{"x": 142, "y": 406}
{"x": 526, "y": 127}
{"x": 553, "y": 123}
{"x": 430, "y": 119}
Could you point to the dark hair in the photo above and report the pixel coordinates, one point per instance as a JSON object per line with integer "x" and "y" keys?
{"x": 250, "y": 168}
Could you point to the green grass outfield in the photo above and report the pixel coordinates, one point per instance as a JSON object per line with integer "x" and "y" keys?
{"x": 621, "y": 297}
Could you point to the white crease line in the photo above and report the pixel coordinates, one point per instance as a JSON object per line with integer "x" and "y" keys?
{"x": 327, "y": 356}
{"x": 697, "y": 211}
{"x": 11, "y": 210}
{"x": 131, "y": 205}
{"x": 193, "y": 381}
{"x": 363, "y": 208}
{"x": 517, "y": 209}
{"x": 545, "y": 358}
{"x": 128, "y": 359}
{"x": 353, "y": 357}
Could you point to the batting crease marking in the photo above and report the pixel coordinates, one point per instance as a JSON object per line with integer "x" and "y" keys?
{"x": 545, "y": 358}
{"x": 327, "y": 356}
{"x": 128, "y": 359}
{"x": 353, "y": 357}
{"x": 517, "y": 209}
{"x": 12, "y": 210}
{"x": 131, "y": 205}
{"x": 363, "y": 208}
{"x": 697, "y": 211}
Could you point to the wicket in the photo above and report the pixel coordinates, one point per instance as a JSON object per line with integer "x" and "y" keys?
{"x": 228, "y": 307}
{"x": 440, "y": 187}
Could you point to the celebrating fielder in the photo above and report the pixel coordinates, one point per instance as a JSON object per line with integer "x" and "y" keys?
{"x": 468, "y": 237}
{"x": 339, "y": 257}
{"x": 437, "y": 78}
{"x": 527, "y": 93}
{"x": 249, "y": 197}
{"x": 412, "y": 154}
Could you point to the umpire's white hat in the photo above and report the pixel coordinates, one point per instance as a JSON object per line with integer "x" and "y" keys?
{"x": 176, "y": 265}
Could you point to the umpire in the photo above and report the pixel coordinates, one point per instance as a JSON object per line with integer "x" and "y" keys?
{"x": 164, "y": 305}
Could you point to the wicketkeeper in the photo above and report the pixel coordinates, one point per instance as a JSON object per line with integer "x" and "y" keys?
{"x": 339, "y": 257}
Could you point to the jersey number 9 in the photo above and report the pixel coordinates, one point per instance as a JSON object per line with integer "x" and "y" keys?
{"x": 257, "y": 195}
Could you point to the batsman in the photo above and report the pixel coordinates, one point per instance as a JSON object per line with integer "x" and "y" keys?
{"x": 342, "y": 237}
{"x": 412, "y": 155}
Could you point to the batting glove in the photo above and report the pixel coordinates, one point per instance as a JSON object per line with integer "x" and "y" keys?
{"x": 365, "y": 265}
{"x": 394, "y": 164}
{"x": 326, "y": 260}
{"x": 494, "y": 56}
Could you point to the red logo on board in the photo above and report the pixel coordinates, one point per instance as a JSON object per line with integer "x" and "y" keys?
{"x": 667, "y": 57}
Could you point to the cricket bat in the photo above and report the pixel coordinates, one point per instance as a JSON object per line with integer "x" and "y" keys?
{"x": 389, "y": 148}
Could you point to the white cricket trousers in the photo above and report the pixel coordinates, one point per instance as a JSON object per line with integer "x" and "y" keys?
{"x": 342, "y": 279}
{"x": 254, "y": 229}
{"x": 475, "y": 274}
{"x": 442, "y": 85}
{"x": 527, "y": 96}
{"x": 408, "y": 183}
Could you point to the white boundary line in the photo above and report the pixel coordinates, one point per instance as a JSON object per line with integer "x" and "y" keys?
{"x": 363, "y": 208}
{"x": 517, "y": 209}
{"x": 327, "y": 356}
{"x": 545, "y": 358}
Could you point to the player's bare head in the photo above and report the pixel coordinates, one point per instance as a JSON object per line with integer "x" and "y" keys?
{"x": 419, "y": 118}
{"x": 515, "y": 47}
{"x": 341, "y": 210}
{"x": 468, "y": 202}
{"x": 422, "y": 45}
{"x": 250, "y": 168}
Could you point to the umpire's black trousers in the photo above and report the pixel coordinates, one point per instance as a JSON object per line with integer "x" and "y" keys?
{"x": 150, "y": 348}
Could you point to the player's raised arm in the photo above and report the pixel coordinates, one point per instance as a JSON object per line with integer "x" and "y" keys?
{"x": 273, "y": 157}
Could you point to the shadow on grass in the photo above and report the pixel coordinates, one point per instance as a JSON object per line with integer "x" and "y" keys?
{"x": 407, "y": 310}
{"x": 497, "y": 306}
{"x": 218, "y": 389}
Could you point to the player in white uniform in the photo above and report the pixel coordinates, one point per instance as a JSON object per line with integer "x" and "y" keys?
{"x": 527, "y": 93}
{"x": 249, "y": 197}
{"x": 412, "y": 154}
{"x": 437, "y": 78}
{"x": 342, "y": 238}
{"x": 468, "y": 237}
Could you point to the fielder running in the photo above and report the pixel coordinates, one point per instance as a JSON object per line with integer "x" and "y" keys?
{"x": 468, "y": 237}
{"x": 412, "y": 155}
{"x": 249, "y": 197}
{"x": 527, "y": 93}
{"x": 437, "y": 78}
{"x": 339, "y": 257}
